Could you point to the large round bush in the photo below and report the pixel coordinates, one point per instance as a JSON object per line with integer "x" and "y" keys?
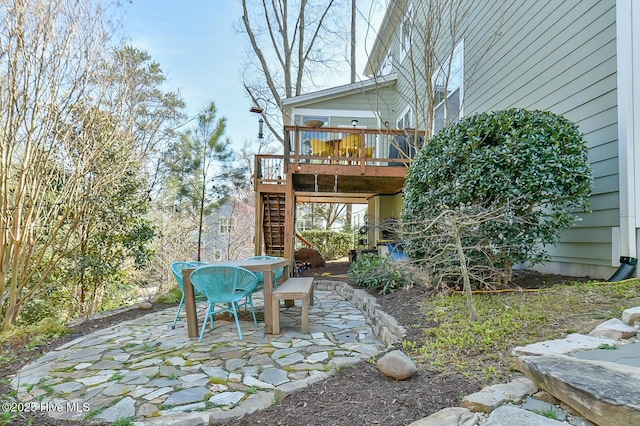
{"x": 532, "y": 163}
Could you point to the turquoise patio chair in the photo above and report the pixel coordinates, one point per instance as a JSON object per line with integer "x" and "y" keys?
{"x": 226, "y": 286}
{"x": 176, "y": 268}
{"x": 278, "y": 273}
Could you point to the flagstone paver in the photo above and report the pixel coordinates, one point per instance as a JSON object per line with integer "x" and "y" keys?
{"x": 145, "y": 370}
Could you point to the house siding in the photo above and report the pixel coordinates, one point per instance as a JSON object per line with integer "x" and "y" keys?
{"x": 551, "y": 55}
{"x": 558, "y": 56}
{"x": 370, "y": 101}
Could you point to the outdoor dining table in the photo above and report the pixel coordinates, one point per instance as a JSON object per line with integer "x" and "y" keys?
{"x": 266, "y": 266}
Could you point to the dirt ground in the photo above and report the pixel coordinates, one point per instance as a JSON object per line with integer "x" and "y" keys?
{"x": 361, "y": 395}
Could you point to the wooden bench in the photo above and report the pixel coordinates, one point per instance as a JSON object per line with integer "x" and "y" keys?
{"x": 293, "y": 289}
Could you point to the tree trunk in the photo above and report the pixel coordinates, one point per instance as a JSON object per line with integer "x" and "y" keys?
{"x": 353, "y": 41}
{"x": 465, "y": 278}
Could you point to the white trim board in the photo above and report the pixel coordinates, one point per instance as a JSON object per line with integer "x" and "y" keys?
{"x": 333, "y": 113}
{"x": 628, "y": 70}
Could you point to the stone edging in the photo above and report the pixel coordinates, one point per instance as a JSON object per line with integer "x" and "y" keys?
{"x": 103, "y": 314}
{"x": 384, "y": 325}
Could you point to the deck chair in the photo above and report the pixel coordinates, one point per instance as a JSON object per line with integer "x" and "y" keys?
{"x": 225, "y": 286}
{"x": 350, "y": 145}
{"x": 320, "y": 148}
{"x": 176, "y": 268}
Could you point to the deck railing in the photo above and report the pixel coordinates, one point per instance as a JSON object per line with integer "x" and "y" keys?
{"x": 270, "y": 169}
{"x": 353, "y": 145}
{"x": 341, "y": 146}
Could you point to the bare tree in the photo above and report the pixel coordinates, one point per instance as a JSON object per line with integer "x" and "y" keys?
{"x": 426, "y": 52}
{"x": 452, "y": 251}
{"x": 171, "y": 245}
{"x": 291, "y": 42}
{"x": 238, "y": 240}
{"x": 51, "y": 53}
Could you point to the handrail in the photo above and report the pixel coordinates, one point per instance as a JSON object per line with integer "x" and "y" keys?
{"x": 354, "y": 146}
{"x": 304, "y": 241}
{"x": 269, "y": 169}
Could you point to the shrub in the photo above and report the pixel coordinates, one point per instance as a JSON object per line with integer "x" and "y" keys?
{"x": 35, "y": 334}
{"x": 376, "y": 272}
{"x": 331, "y": 244}
{"x": 173, "y": 295}
{"x": 534, "y": 163}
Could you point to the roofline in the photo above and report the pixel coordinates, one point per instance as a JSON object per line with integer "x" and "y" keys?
{"x": 339, "y": 91}
{"x": 392, "y": 16}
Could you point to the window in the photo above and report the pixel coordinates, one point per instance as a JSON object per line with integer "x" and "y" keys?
{"x": 227, "y": 225}
{"x": 406, "y": 119}
{"x": 406, "y": 30}
{"x": 217, "y": 255}
{"x": 387, "y": 65}
{"x": 448, "y": 84}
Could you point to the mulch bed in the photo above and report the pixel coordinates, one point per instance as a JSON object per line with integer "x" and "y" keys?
{"x": 359, "y": 395}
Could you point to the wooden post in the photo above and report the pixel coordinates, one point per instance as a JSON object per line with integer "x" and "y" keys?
{"x": 259, "y": 227}
{"x": 289, "y": 229}
{"x": 190, "y": 303}
{"x": 289, "y": 222}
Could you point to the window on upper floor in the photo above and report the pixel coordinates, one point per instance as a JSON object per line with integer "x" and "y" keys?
{"x": 448, "y": 89}
{"x": 405, "y": 120}
{"x": 227, "y": 225}
{"x": 387, "y": 65}
{"x": 406, "y": 32}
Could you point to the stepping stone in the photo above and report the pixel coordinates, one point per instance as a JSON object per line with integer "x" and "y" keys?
{"x": 227, "y": 398}
{"x": 274, "y": 376}
{"x": 66, "y": 388}
{"x": 510, "y": 416}
{"x": 187, "y": 396}
{"x": 124, "y": 409}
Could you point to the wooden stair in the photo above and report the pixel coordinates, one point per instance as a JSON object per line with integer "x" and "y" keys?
{"x": 273, "y": 224}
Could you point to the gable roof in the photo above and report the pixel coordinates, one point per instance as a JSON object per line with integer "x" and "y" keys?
{"x": 341, "y": 91}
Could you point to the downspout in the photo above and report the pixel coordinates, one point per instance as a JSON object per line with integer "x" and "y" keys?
{"x": 628, "y": 115}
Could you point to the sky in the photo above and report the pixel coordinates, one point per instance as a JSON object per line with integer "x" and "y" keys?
{"x": 200, "y": 53}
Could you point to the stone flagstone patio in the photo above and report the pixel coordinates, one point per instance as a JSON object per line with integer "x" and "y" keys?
{"x": 144, "y": 370}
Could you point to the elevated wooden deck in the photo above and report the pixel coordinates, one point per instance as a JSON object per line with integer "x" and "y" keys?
{"x": 328, "y": 165}
{"x": 338, "y": 163}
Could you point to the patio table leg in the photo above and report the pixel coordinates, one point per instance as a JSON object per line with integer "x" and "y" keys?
{"x": 190, "y": 304}
{"x": 268, "y": 310}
